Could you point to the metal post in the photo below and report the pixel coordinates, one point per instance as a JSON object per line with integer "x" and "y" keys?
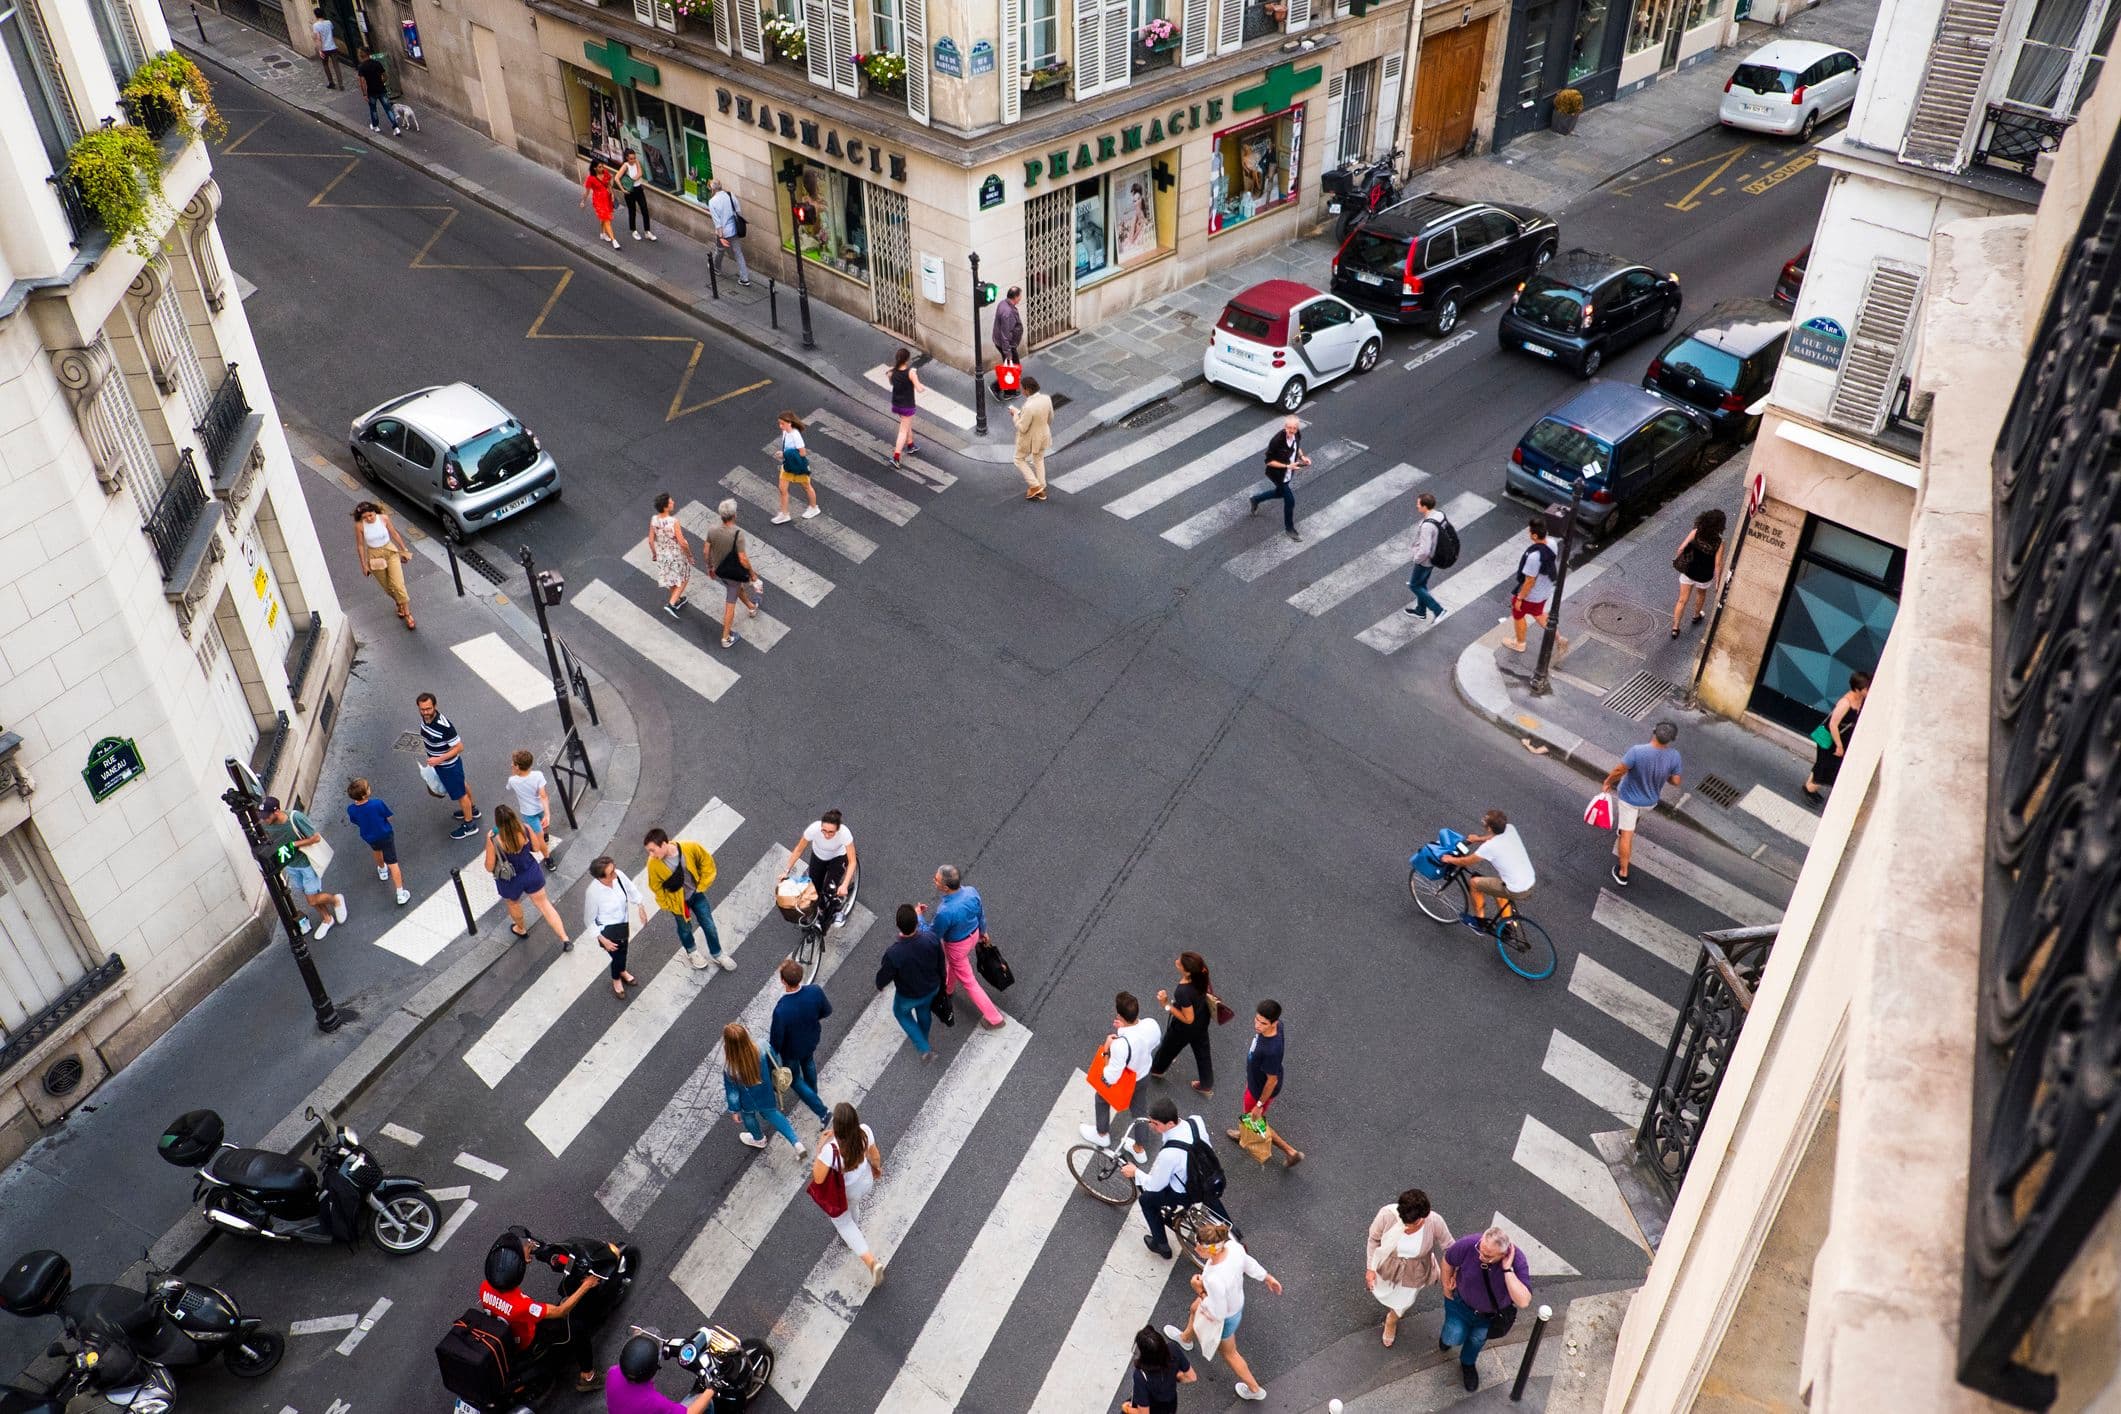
{"x": 773, "y": 303}
{"x": 567, "y": 807}
{"x": 243, "y": 802}
{"x": 201, "y": 24}
{"x": 979, "y": 359}
{"x": 456, "y": 571}
{"x": 714, "y": 277}
{"x": 572, "y": 740}
{"x": 456, "y": 876}
{"x": 1531, "y": 1353}
{"x": 1542, "y": 680}
{"x": 789, "y": 172}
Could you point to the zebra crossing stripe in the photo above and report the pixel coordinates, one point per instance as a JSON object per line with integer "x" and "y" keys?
{"x": 1226, "y": 514}
{"x": 741, "y": 1224}
{"x": 1093, "y": 1356}
{"x": 696, "y": 1107}
{"x": 1542, "y": 1259}
{"x": 749, "y": 486}
{"x": 1725, "y": 897}
{"x": 934, "y": 1375}
{"x": 1205, "y": 467}
{"x": 864, "y": 493}
{"x": 504, "y": 670}
{"x": 1780, "y": 813}
{"x": 1485, "y": 578}
{"x": 801, "y": 583}
{"x": 821, "y": 1314}
{"x": 654, "y": 640}
{"x": 1653, "y": 935}
{"x": 761, "y": 631}
{"x": 1576, "y": 1174}
{"x": 940, "y": 406}
{"x": 1144, "y": 445}
{"x": 1379, "y": 490}
{"x": 569, "y": 1107}
{"x": 1394, "y": 556}
{"x": 929, "y": 477}
{"x": 565, "y": 978}
{"x": 1595, "y": 1078}
{"x": 1650, "y": 1016}
{"x": 436, "y": 921}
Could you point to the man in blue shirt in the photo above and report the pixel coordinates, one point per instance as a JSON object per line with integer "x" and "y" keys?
{"x": 913, "y": 966}
{"x": 960, "y": 920}
{"x": 1636, "y": 783}
{"x": 798, "y": 1026}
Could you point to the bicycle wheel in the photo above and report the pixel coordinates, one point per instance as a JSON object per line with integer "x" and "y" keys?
{"x": 1097, "y": 1173}
{"x": 808, "y": 951}
{"x": 1442, "y": 899}
{"x": 1525, "y": 947}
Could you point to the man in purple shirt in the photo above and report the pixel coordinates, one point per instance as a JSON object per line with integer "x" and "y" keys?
{"x": 1482, "y": 1277}
{"x": 630, "y": 1386}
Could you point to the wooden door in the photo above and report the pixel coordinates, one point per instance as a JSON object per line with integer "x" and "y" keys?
{"x": 1446, "y": 94}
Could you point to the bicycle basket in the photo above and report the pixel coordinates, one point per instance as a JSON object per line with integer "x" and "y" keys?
{"x": 1428, "y": 860}
{"x": 795, "y": 898}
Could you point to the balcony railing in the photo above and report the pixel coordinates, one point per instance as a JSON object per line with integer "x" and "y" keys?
{"x": 1721, "y": 994}
{"x": 176, "y": 514}
{"x": 2012, "y": 137}
{"x": 302, "y": 653}
{"x": 46, "y": 1023}
{"x": 79, "y": 219}
{"x": 224, "y": 419}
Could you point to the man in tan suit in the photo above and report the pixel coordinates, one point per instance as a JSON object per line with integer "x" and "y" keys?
{"x": 1034, "y": 435}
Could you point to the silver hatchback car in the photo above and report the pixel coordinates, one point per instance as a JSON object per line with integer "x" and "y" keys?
{"x": 457, "y": 452}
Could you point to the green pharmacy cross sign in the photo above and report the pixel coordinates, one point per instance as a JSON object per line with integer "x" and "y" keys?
{"x": 1277, "y": 88}
{"x": 112, "y": 762}
{"x": 617, "y": 59}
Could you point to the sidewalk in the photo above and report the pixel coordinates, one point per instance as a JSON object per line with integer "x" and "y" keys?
{"x": 1621, "y": 673}
{"x": 1097, "y": 376}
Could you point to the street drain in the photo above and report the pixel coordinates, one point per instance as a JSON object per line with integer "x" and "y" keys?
{"x": 1617, "y": 618}
{"x": 1717, "y": 789}
{"x": 408, "y": 741}
{"x": 480, "y": 563}
{"x": 1635, "y": 697}
{"x": 64, "y": 1078}
{"x": 1148, "y": 414}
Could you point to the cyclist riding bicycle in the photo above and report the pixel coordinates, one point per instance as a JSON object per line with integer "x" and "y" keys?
{"x": 833, "y": 868}
{"x": 1497, "y": 866}
{"x": 1185, "y": 1171}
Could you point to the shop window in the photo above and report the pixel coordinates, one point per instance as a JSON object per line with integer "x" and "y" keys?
{"x": 1839, "y": 605}
{"x": 1651, "y": 23}
{"x": 655, "y": 129}
{"x": 1254, "y": 168}
{"x": 1039, "y": 47}
{"x": 838, "y": 237}
{"x": 1700, "y": 12}
{"x": 1125, "y": 219}
{"x": 1587, "y": 46}
{"x": 671, "y": 140}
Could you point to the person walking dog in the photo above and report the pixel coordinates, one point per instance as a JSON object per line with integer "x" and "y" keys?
{"x": 1034, "y": 438}
{"x": 384, "y": 554}
{"x": 1285, "y": 456}
{"x": 375, "y": 88}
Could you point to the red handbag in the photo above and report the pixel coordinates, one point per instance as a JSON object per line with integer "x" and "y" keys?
{"x": 831, "y": 1195}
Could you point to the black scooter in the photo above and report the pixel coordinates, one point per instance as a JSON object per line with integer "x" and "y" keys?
{"x": 95, "y": 1381}
{"x": 479, "y": 1363}
{"x": 282, "y": 1199}
{"x": 734, "y": 1368}
{"x": 1359, "y": 190}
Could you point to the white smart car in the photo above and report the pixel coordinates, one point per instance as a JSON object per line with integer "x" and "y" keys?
{"x": 1280, "y": 339}
{"x": 1789, "y": 88}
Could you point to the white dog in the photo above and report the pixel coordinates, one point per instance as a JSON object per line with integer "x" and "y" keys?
{"x": 402, "y": 115}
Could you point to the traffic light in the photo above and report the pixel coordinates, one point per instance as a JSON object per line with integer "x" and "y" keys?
{"x": 987, "y": 293}
{"x": 275, "y": 856}
{"x": 803, "y": 213}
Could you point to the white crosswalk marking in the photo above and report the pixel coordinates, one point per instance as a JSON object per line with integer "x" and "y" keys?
{"x": 1595, "y": 1078}
{"x": 1223, "y": 515}
{"x": 1542, "y": 1259}
{"x": 1653, "y": 935}
{"x": 749, "y": 486}
{"x": 696, "y": 1107}
{"x": 1246, "y": 447}
{"x": 1439, "y": 349}
{"x": 432, "y": 924}
{"x": 1577, "y": 1174}
{"x": 410, "y": 1138}
{"x": 937, "y": 405}
{"x": 736, "y": 1228}
{"x": 761, "y": 631}
{"x": 1484, "y": 579}
{"x": 460, "y": 1215}
{"x": 484, "y": 1168}
{"x": 933, "y": 1377}
{"x": 1093, "y": 1356}
{"x": 569, "y": 1107}
{"x": 822, "y": 1312}
{"x": 654, "y": 639}
{"x": 506, "y": 671}
{"x": 1394, "y": 557}
{"x": 565, "y": 978}
{"x": 1617, "y": 997}
{"x": 1780, "y": 813}
{"x": 1328, "y": 520}
{"x": 918, "y": 472}
{"x": 1146, "y": 444}
{"x": 868, "y": 495}
{"x": 1718, "y": 893}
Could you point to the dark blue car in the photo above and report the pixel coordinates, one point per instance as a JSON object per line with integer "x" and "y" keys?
{"x": 1625, "y": 442}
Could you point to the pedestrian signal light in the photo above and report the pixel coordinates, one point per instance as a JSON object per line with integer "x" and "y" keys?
{"x": 276, "y": 856}
{"x": 988, "y": 292}
{"x": 803, "y": 213}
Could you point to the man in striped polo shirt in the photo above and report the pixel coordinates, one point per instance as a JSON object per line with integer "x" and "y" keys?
{"x": 445, "y": 752}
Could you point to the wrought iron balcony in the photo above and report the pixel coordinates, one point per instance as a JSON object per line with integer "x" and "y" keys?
{"x": 80, "y": 220}
{"x": 176, "y": 513}
{"x": 2012, "y": 137}
{"x": 223, "y": 420}
{"x": 1717, "y": 1001}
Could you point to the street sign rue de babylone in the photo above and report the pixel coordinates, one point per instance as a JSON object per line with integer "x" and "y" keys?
{"x": 112, "y": 762}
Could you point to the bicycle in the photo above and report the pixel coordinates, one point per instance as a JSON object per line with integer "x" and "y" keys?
{"x": 1096, "y": 1169}
{"x": 812, "y": 923}
{"x": 1523, "y": 945}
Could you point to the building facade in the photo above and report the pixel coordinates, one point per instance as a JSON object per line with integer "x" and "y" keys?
{"x": 1602, "y": 49}
{"x": 1961, "y": 107}
{"x": 163, "y": 602}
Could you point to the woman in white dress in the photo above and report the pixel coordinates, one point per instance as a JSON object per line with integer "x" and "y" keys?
{"x": 669, "y": 553}
{"x": 1405, "y": 1254}
{"x": 851, "y": 1151}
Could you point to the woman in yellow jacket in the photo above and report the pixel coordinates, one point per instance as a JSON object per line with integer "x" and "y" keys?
{"x": 679, "y": 873}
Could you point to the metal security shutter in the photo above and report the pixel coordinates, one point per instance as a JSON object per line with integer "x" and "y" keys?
{"x": 1119, "y": 44}
{"x": 1870, "y": 369}
{"x": 1336, "y": 91}
{"x": 1954, "y": 78}
{"x": 721, "y": 28}
{"x": 1089, "y": 47}
{"x": 1230, "y": 29}
{"x": 817, "y": 48}
{"x": 1194, "y": 24}
{"x": 1387, "y": 128}
{"x": 1008, "y": 68}
{"x": 750, "y": 37}
{"x": 915, "y": 29}
{"x": 1299, "y": 16}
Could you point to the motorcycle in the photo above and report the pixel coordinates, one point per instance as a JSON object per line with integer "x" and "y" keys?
{"x": 1360, "y": 190}
{"x": 480, "y": 1364}
{"x": 96, "y": 1382}
{"x": 735, "y": 1369}
{"x": 282, "y": 1199}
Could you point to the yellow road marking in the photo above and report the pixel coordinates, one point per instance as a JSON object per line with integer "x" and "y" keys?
{"x": 1781, "y": 174}
{"x": 1719, "y": 161}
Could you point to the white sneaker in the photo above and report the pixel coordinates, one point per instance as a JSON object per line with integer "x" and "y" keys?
{"x": 1139, "y": 1154}
{"x": 801, "y": 1153}
{"x": 697, "y": 958}
{"x": 811, "y": 513}
{"x": 1091, "y": 1136}
{"x": 397, "y": 132}
{"x": 649, "y": 235}
{"x": 383, "y": 873}
{"x": 782, "y": 519}
{"x": 1177, "y": 1337}
{"x": 321, "y": 930}
{"x": 726, "y": 963}
{"x": 1248, "y": 1392}
{"x": 750, "y": 1143}
{"x": 404, "y": 897}
{"x": 338, "y": 908}
{"x": 636, "y": 235}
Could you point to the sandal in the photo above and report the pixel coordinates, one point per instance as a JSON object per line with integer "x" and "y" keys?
{"x": 1699, "y": 617}
{"x": 1391, "y": 1329}
{"x": 519, "y": 932}
{"x": 409, "y": 621}
{"x": 618, "y": 989}
{"x": 1675, "y": 630}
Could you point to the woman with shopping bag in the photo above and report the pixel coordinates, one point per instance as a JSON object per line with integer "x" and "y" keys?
{"x": 1405, "y": 1254}
{"x": 845, "y": 1173}
{"x": 752, "y": 1083}
{"x": 1831, "y": 737}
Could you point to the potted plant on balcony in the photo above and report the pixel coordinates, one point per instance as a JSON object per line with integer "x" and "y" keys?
{"x": 698, "y": 15}
{"x": 169, "y": 89}
{"x": 885, "y": 73}
{"x": 1159, "y": 42}
{"x": 1567, "y": 104}
{"x": 786, "y": 40}
{"x": 118, "y": 171}
{"x": 1047, "y": 77}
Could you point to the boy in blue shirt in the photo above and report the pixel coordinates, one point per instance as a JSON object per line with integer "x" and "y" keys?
{"x": 372, "y": 818}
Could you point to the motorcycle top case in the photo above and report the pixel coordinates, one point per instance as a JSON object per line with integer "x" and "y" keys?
{"x": 191, "y": 1139}
{"x": 474, "y": 1357}
{"x": 35, "y": 1284}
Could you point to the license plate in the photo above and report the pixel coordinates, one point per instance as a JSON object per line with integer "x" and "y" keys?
{"x": 1371, "y": 279}
{"x": 1541, "y": 349}
{"x": 1757, "y": 108}
{"x": 466, "y": 1408}
{"x": 1333, "y": 208}
{"x": 508, "y": 510}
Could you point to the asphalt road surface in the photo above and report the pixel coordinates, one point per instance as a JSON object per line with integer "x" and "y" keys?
{"x": 1136, "y": 720}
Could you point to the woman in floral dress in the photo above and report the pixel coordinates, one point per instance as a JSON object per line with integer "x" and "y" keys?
{"x": 669, "y": 552}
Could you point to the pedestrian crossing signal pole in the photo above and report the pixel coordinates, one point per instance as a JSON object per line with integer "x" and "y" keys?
{"x": 243, "y": 802}
{"x": 546, "y": 590}
{"x": 800, "y": 214}
{"x": 982, "y": 296}
{"x": 1542, "y": 675}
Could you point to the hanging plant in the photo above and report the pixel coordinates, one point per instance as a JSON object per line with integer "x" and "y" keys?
{"x": 786, "y": 38}
{"x": 118, "y": 171}
{"x": 882, "y": 69}
{"x": 697, "y": 9}
{"x": 168, "y": 89}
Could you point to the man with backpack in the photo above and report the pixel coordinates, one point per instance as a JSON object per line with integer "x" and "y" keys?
{"x": 1536, "y": 570}
{"x": 1435, "y": 548}
{"x": 1186, "y": 1171}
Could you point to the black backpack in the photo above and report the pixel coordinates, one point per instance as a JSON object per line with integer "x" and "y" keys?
{"x": 1445, "y": 554}
{"x": 1205, "y": 1179}
{"x": 474, "y": 1357}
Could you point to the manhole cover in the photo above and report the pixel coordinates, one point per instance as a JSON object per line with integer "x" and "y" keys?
{"x": 63, "y": 1078}
{"x": 1616, "y": 618}
{"x": 408, "y": 741}
{"x": 1635, "y": 697}
{"x": 1718, "y": 790}
{"x": 1148, "y": 414}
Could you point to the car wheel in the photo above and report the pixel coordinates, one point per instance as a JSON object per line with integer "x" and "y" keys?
{"x": 1446, "y": 316}
{"x": 1592, "y": 360}
{"x": 1811, "y": 125}
{"x": 363, "y": 467}
{"x": 1367, "y": 359}
{"x": 1546, "y": 253}
{"x": 1292, "y": 395}
{"x": 451, "y": 530}
{"x": 1669, "y": 317}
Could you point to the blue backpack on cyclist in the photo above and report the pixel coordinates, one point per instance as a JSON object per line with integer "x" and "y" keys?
{"x": 1428, "y": 860}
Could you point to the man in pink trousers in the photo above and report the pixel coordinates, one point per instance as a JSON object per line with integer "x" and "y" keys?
{"x": 960, "y": 921}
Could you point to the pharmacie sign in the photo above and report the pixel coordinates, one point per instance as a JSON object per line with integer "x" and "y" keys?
{"x": 858, "y": 152}
{"x": 1105, "y": 147}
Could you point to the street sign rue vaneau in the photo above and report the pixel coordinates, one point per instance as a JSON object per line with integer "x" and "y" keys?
{"x": 112, "y": 762}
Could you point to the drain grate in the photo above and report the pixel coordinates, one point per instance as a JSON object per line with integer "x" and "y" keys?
{"x": 1148, "y": 414}
{"x": 1635, "y": 697}
{"x": 480, "y": 563}
{"x": 408, "y": 741}
{"x": 64, "y": 1078}
{"x": 1717, "y": 789}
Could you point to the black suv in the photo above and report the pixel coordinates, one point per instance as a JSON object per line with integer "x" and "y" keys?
{"x": 1724, "y": 364}
{"x": 1586, "y": 306}
{"x": 1421, "y": 260}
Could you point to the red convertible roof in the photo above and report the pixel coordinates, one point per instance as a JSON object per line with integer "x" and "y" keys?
{"x": 1275, "y": 298}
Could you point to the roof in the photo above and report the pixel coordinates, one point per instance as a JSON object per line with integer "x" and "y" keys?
{"x": 1608, "y": 409}
{"x": 1582, "y": 268}
{"x": 1275, "y": 298}
{"x": 1415, "y": 214}
{"x": 1741, "y": 326}
{"x": 454, "y": 412}
{"x": 1796, "y": 55}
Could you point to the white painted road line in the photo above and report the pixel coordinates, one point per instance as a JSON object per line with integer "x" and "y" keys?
{"x": 567, "y": 976}
{"x": 1653, "y": 935}
{"x": 1329, "y": 520}
{"x": 582, "y": 1094}
{"x": 1781, "y": 814}
{"x": 1576, "y": 1174}
{"x": 454, "y": 1193}
{"x": 1542, "y": 1259}
{"x": 936, "y": 405}
{"x": 1649, "y": 1016}
{"x": 1595, "y": 1078}
{"x": 1246, "y": 448}
{"x": 821, "y": 1314}
{"x": 1093, "y": 1356}
{"x": 323, "y": 1325}
{"x": 504, "y": 670}
{"x": 1438, "y": 350}
{"x": 1725, "y": 897}
{"x": 749, "y": 486}
{"x": 1485, "y": 579}
{"x": 409, "y": 1138}
{"x": 654, "y": 639}
{"x": 868, "y": 495}
{"x": 1228, "y": 514}
{"x": 1148, "y": 443}
{"x": 798, "y": 581}
{"x": 432, "y": 924}
{"x": 457, "y": 1219}
{"x": 743, "y": 1220}
{"x": 704, "y": 593}
{"x": 934, "y": 1375}
{"x": 472, "y": 1163}
{"x": 368, "y": 1323}
{"x": 918, "y": 472}
{"x": 1394, "y": 556}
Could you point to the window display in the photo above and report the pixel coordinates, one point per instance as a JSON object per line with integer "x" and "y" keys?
{"x": 672, "y": 141}
{"x": 838, "y": 238}
{"x": 1124, "y": 220}
{"x": 654, "y": 128}
{"x": 1254, "y": 168}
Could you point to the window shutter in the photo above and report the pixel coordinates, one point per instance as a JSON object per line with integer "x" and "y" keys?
{"x": 839, "y": 46}
{"x": 52, "y": 70}
{"x": 1299, "y": 16}
{"x": 1194, "y": 24}
{"x": 656, "y": 14}
{"x": 1119, "y": 44}
{"x": 1230, "y": 33}
{"x": 1089, "y": 47}
{"x": 1387, "y": 104}
{"x": 914, "y": 32}
{"x": 644, "y": 11}
{"x": 129, "y": 26}
{"x": 1877, "y": 347}
{"x": 750, "y": 39}
{"x": 721, "y": 28}
{"x": 817, "y": 48}
{"x": 1954, "y": 79}
{"x": 1009, "y": 61}
{"x": 1336, "y": 93}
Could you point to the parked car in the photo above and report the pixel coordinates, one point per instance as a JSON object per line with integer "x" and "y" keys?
{"x": 1791, "y": 282}
{"x": 1422, "y": 260}
{"x": 1281, "y": 338}
{"x": 458, "y": 452}
{"x": 1790, "y": 87}
{"x": 1585, "y": 307}
{"x": 1724, "y": 364}
{"x": 1625, "y": 442}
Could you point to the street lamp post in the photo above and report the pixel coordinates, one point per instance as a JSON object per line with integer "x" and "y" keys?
{"x": 979, "y": 356}
{"x": 244, "y": 801}
{"x": 1542, "y": 675}
{"x": 546, "y": 588}
{"x": 791, "y": 173}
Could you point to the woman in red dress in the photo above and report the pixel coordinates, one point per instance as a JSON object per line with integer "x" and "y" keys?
{"x": 596, "y": 190}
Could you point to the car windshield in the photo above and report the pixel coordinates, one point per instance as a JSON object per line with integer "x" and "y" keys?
{"x": 1551, "y": 305}
{"x": 1375, "y": 254}
{"x": 1570, "y": 446}
{"x": 1699, "y": 360}
{"x": 1764, "y": 78}
{"x": 495, "y": 454}
{"x": 1249, "y": 323}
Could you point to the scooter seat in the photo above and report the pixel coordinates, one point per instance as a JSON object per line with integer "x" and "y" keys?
{"x": 262, "y": 1171}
